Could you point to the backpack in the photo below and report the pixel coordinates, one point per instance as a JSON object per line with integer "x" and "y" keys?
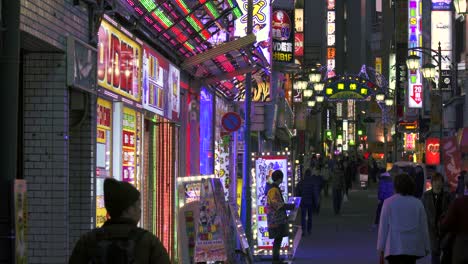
{"x": 116, "y": 250}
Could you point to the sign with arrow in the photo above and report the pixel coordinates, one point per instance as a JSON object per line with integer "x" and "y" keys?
{"x": 415, "y": 96}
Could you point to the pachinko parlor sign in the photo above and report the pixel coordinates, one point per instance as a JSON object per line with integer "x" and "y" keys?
{"x": 119, "y": 60}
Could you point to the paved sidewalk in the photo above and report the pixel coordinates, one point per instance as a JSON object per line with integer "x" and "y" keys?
{"x": 344, "y": 239}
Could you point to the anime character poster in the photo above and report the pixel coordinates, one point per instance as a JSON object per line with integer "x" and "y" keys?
{"x": 452, "y": 160}
{"x": 210, "y": 245}
{"x": 264, "y": 168}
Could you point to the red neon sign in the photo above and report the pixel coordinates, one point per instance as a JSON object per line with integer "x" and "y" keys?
{"x": 432, "y": 151}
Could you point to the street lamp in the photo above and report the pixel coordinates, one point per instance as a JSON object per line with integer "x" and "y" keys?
{"x": 318, "y": 87}
{"x": 308, "y": 93}
{"x": 315, "y": 76}
{"x": 461, "y": 6}
{"x": 320, "y": 98}
{"x": 380, "y": 97}
{"x": 389, "y": 101}
{"x": 413, "y": 62}
{"x": 429, "y": 71}
{"x": 311, "y": 103}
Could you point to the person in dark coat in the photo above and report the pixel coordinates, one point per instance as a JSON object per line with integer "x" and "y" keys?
{"x": 385, "y": 190}
{"x": 305, "y": 190}
{"x": 456, "y": 222}
{"x": 337, "y": 183}
{"x": 122, "y": 202}
{"x": 419, "y": 180}
{"x": 436, "y": 203}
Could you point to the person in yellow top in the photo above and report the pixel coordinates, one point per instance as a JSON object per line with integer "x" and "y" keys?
{"x": 276, "y": 214}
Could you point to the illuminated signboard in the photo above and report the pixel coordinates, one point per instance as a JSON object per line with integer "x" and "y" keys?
{"x": 348, "y": 87}
{"x": 119, "y": 60}
{"x": 392, "y": 72}
{"x": 261, "y": 24}
{"x": 441, "y": 4}
{"x": 299, "y": 44}
{"x": 283, "y": 35}
{"x": 160, "y": 96}
{"x": 264, "y": 167}
{"x": 441, "y": 31}
{"x": 432, "y": 151}
{"x": 415, "y": 87}
{"x": 331, "y": 16}
{"x": 299, "y": 20}
{"x": 410, "y": 141}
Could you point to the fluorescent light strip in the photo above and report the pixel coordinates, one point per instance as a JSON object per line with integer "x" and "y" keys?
{"x": 212, "y": 10}
{"x": 148, "y": 4}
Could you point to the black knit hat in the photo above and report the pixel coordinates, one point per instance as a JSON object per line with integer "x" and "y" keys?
{"x": 118, "y": 196}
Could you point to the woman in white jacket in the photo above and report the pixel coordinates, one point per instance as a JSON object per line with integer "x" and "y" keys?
{"x": 403, "y": 232}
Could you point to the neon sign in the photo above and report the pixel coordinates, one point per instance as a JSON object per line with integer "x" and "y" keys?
{"x": 331, "y": 15}
{"x": 415, "y": 91}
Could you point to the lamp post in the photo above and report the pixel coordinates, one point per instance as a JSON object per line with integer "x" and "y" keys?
{"x": 429, "y": 72}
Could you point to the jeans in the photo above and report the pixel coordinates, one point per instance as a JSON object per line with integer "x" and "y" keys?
{"x": 276, "y": 248}
{"x": 337, "y": 199}
{"x": 306, "y": 212}
{"x": 325, "y": 188}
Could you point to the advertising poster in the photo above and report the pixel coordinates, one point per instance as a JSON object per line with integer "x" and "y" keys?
{"x": 264, "y": 167}
{"x": 261, "y": 24}
{"x": 160, "y": 85}
{"x": 299, "y": 44}
{"x": 119, "y": 60}
{"x": 21, "y": 222}
{"x": 222, "y": 163}
{"x": 432, "y": 151}
{"x": 283, "y": 35}
{"x": 129, "y": 145}
{"x": 441, "y": 32}
{"x": 452, "y": 160}
{"x": 210, "y": 244}
{"x": 103, "y": 155}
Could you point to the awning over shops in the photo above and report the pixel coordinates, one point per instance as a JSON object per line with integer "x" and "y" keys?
{"x": 198, "y": 33}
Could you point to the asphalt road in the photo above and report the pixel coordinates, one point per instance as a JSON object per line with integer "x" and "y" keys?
{"x": 344, "y": 239}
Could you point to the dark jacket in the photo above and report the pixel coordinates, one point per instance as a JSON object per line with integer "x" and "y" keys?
{"x": 337, "y": 179}
{"x": 385, "y": 186}
{"x": 308, "y": 189}
{"x": 456, "y": 221}
{"x": 432, "y": 222}
{"x": 148, "y": 248}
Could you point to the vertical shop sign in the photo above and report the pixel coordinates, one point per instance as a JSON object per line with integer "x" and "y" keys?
{"x": 129, "y": 145}
{"x": 161, "y": 85}
{"x": 299, "y": 20}
{"x": 21, "y": 221}
{"x": 261, "y": 24}
{"x": 299, "y": 44}
{"x": 452, "y": 160}
{"x": 415, "y": 88}
{"x": 392, "y": 73}
{"x": 432, "y": 151}
{"x": 331, "y": 16}
{"x": 441, "y": 5}
{"x": 119, "y": 60}
{"x": 410, "y": 141}
{"x": 264, "y": 167}
{"x": 283, "y": 35}
{"x": 441, "y": 32}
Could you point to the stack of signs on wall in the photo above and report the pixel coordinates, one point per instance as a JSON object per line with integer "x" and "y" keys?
{"x": 212, "y": 243}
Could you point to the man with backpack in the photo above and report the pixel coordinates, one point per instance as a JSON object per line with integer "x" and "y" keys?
{"x": 119, "y": 240}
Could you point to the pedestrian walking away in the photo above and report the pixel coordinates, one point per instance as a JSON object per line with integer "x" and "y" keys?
{"x": 385, "y": 191}
{"x": 119, "y": 240}
{"x": 403, "y": 233}
{"x": 305, "y": 190}
{"x": 337, "y": 184}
